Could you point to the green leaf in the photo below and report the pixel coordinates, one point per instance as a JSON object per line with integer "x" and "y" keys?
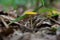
{"x": 43, "y": 9}
{"x": 19, "y": 18}
{"x": 43, "y": 2}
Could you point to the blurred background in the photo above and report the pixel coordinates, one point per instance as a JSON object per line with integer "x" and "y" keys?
{"x": 29, "y": 19}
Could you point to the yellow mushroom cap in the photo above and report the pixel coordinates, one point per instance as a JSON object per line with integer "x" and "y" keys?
{"x": 30, "y": 13}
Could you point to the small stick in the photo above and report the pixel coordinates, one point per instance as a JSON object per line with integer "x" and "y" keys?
{"x": 6, "y": 25}
{"x": 54, "y": 20}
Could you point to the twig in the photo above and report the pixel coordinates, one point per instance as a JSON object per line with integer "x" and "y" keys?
{"x": 6, "y": 25}
{"x": 54, "y": 20}
{"x": 7, "y": 17}
{"x": 41, "y": 22}
{"x": 23, "y": 27}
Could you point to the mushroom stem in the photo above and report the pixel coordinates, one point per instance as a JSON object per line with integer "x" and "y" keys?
{"x": 31, "y": 22}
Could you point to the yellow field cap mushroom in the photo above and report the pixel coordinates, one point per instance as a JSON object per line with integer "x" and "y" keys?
{"x": 30, "y": 13}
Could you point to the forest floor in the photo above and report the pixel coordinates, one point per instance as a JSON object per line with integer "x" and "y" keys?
{"x": 22, "y": 30}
